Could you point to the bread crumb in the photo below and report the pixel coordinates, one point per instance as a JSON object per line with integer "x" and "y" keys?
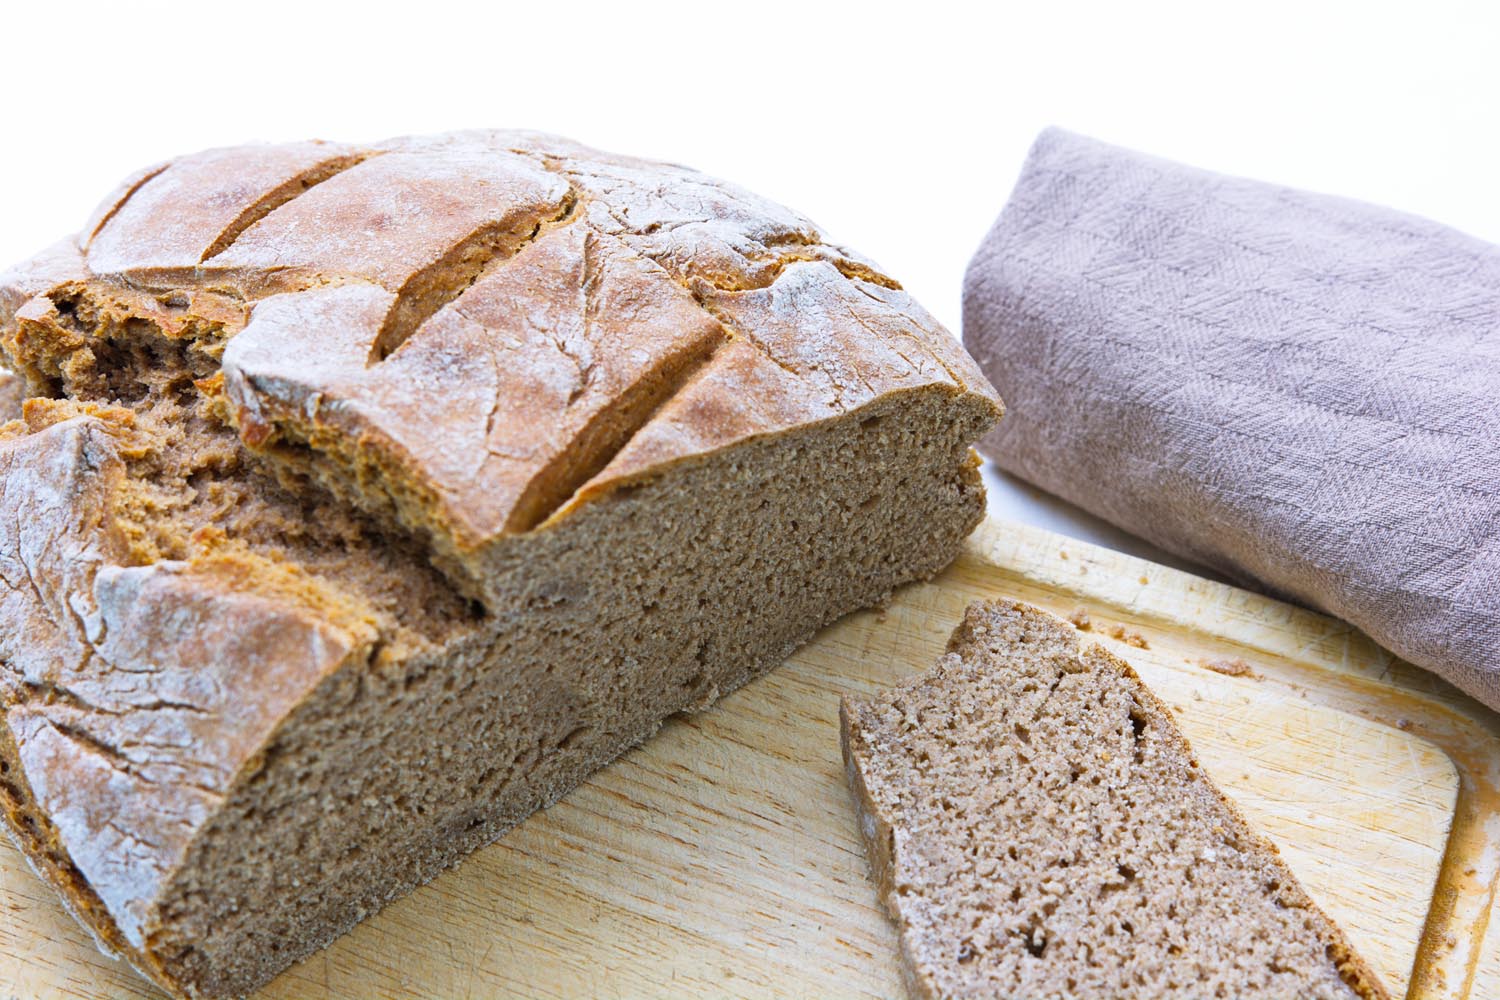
{"x": 1471, "y": 871}
{"x": 1080, "y": 619}
{"x": 1403, "y": 724}
{"x": 1062, "y": 554}
{"x": 1231, "y": 668}
{"x": 1144, "y": 581}
{"x": 1128, "y": 636}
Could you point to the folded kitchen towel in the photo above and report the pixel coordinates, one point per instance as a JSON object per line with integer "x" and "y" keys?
{"x": 1298, "y": 390}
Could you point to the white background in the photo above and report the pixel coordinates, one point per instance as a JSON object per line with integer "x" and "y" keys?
{"x": 899, "y": 129}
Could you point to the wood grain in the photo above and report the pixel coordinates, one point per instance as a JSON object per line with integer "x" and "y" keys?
{"x": 721, "y": 858}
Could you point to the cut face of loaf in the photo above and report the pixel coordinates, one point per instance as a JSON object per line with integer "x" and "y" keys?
{"x": 1040, "y": 828}
{"x": 367, "y": 499}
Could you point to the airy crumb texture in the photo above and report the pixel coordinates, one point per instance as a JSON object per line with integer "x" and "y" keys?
{"x": 1039, "y": 828}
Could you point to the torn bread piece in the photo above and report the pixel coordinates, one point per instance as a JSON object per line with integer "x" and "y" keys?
{"x": 1040, "y": 828}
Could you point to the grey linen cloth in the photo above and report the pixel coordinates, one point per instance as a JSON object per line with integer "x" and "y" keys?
{"x": 1298, "y": 390}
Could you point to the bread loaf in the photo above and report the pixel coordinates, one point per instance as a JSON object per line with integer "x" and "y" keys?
{"x": 367, "y": 498}
{"x": 1040, "y": 828}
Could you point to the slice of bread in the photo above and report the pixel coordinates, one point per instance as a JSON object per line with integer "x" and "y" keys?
{"x": 1039, "y": 827}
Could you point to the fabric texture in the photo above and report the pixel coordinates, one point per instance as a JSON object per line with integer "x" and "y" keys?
{"x": 1298, "y": 390}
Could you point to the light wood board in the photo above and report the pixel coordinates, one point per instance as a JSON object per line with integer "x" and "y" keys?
{"x": 722, "y": 858}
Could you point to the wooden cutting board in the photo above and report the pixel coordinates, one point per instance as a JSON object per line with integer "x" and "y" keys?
{"x": 722, "y": 858}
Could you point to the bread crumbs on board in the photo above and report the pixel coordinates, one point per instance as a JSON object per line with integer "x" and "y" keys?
{"x": 1234, "y": 667}
{"x": 1129, "y": 637}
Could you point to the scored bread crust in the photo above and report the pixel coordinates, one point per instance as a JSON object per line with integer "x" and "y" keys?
{"x": 485, "y": 352}
{"x": 889, "y": 837}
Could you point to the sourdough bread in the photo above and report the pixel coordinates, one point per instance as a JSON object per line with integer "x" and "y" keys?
{"x": 366, "y": 499}
{"x": 1040, "y": 828}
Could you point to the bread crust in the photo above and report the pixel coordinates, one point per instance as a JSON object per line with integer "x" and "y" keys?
{"x": 879, "y": 834}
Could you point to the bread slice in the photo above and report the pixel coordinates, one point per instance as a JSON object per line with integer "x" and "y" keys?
{"x": 368, "y": 498}
{"x": 1040, "y": 828}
